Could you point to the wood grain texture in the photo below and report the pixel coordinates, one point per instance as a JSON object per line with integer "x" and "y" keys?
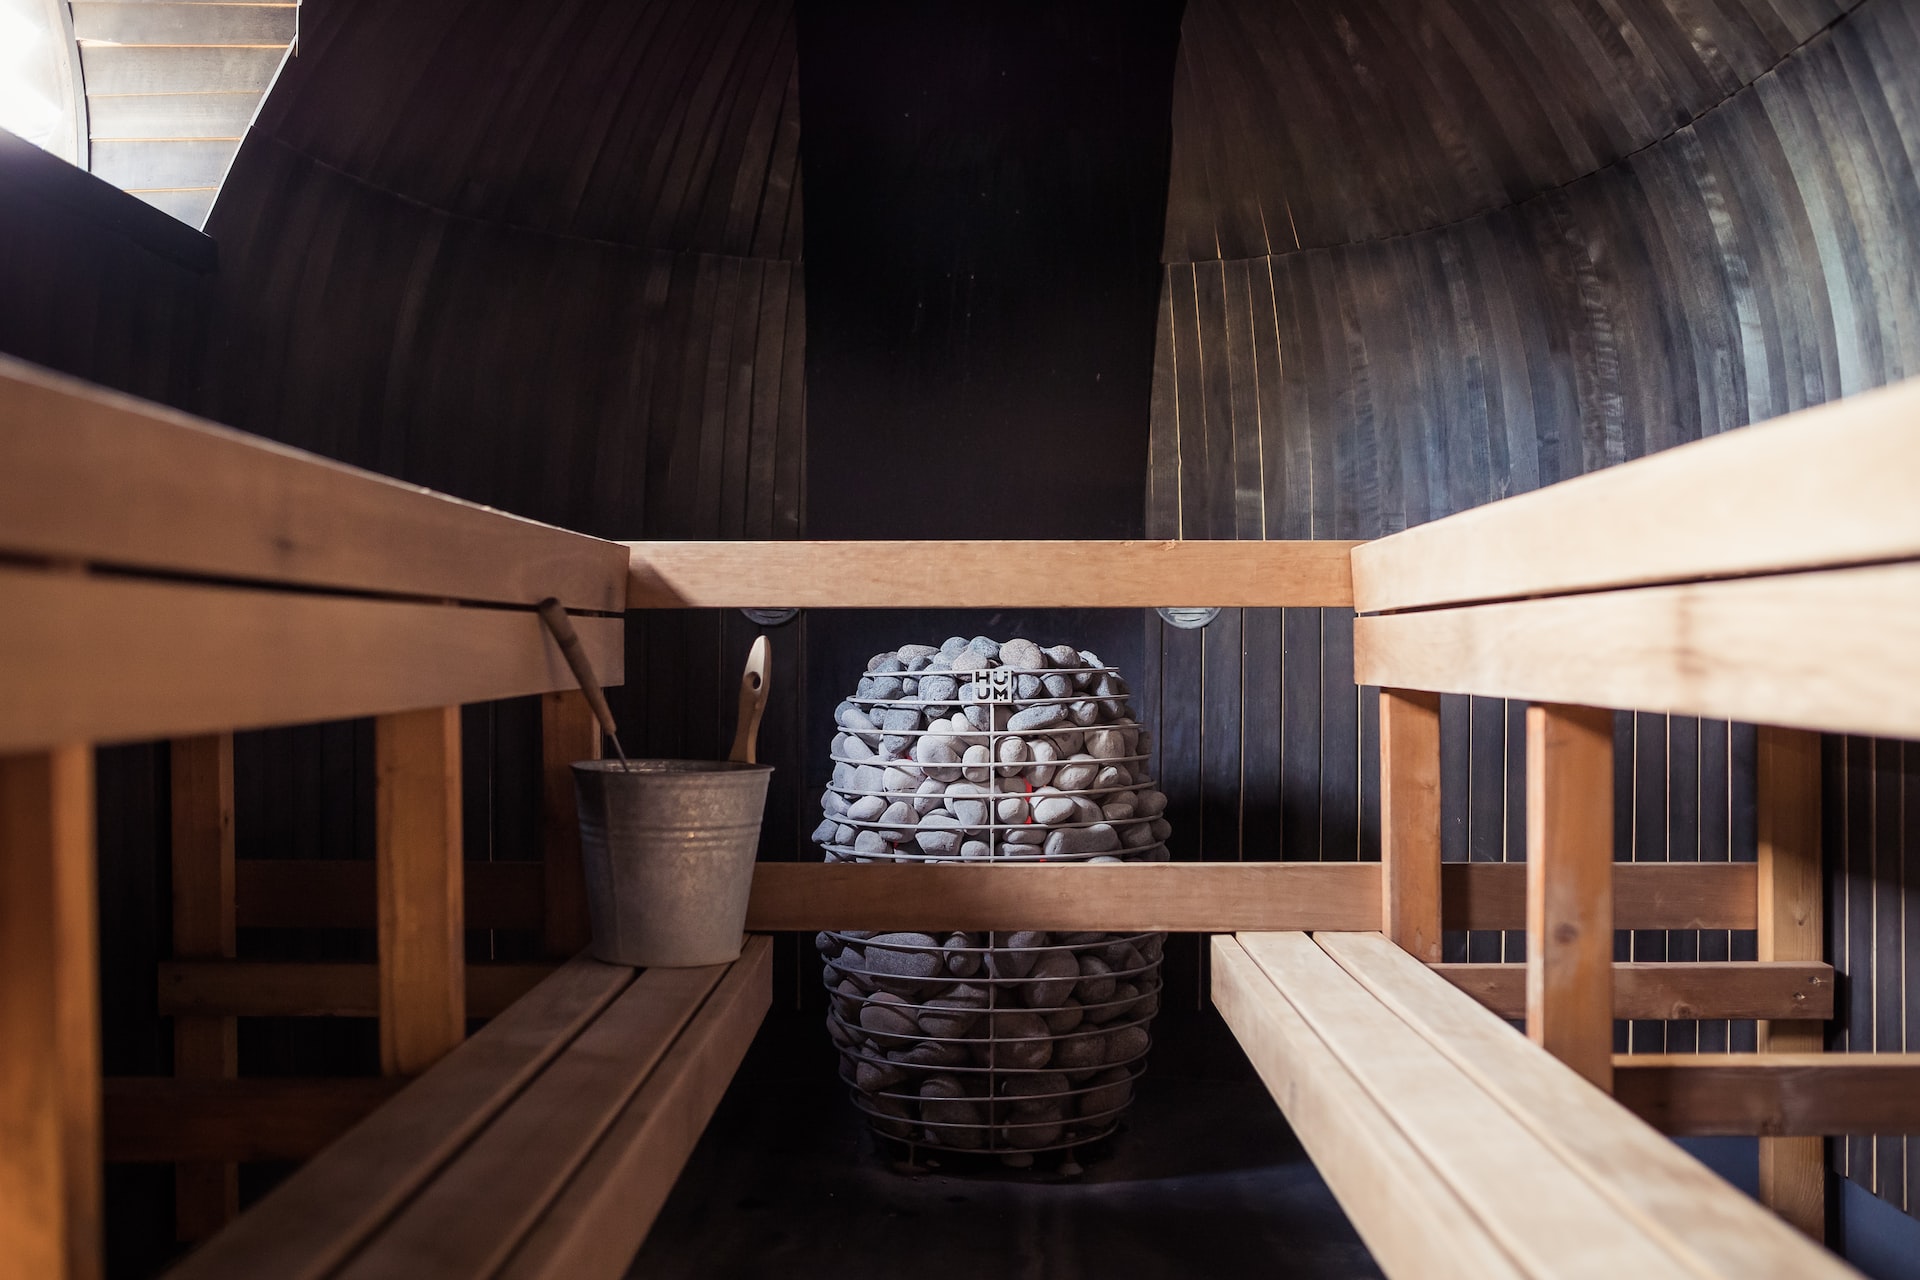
{"x": 422, "y": 969}
{"x": 1081, "y": 575}
{"x": 317, "y": 989}
{"x": 1412, "y": 1219}
{"x": 1570, "y": 919}
{"x": 207, "y": 659}
{"x": 1410, "y": 820}
{"x": 1646, "y": 895}
{"x": 301, "y": 893}
{"x": 568, "y": 733}
{"x": 1773, "y": 1093}
{"x": 50, "y": 1181}
{"x": 148, "y": 1121}
{"x": 1668, "y": 990}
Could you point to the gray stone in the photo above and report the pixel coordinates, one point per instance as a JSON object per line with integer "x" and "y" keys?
{"x": 897, "y": 823}
{"x": 968, "y": 803}
{"x": 929, "y": 796}
{"x": 823, "y": 834}
{"x": 1161, "y": 828}
{"x": 954, "y": 647}
{"x": 1069, "y": 741}
{"x": 1108, "y": 1091}
{"x": 1022, "y": 655}
{"x": 1044, "y": 753}
{"x": 971, "y": 661}
{"x": 973, "y": 850}
{"x": 962, "y": 961}
{"x": 1026, "y": 688}
{"x": 984, "y": 647}
{"x": 1054, "y": 976}
{"x": 1085, "y": 712}
{"x": 1096, "y": 980}
{"x": 1056, "y": 686}
{"x": 1126, "y": 1043}
{"x": 853, "y": 747}
{"x": 833, "y": 804}
{"x": 871, "y": 1077}
{"x": 1011, "y": 811}
{"x": 1064, "y": 656}
{"x": 1112, "y": 779}
{"x": 842, "y": 776}
{"x": 1136, "y": 835}
{"x": 1019, "y": 1042}
{"x": 890, "y": 1025}
{"x": 1106, "y": 744}
{"x": 936, "y": 753}
{"x": 869, "y": 777}
{"x": 867, "y": 808}
{"x": 1076, "y": 774}
{"x": 938, "y": 690}
{"x": 844, "y": 834}
{"x": 1024, "y": 836}
{"x": 1152, "y": 803}
{"x": 1044, "y": 716}
{"x": 908, "y": 652}
{"x": 881, "y": 663}
{"x": 1065, "y": 1018}
{"x": 871, "y": 844}
{"x": 1035, "y": 1122}
{"x": 1066, "y": 842}
{"x": 884, "y": 688}
{"x": 1013, "y": 754}
{"x": 1083, "y": 1052}
{"x": 1053, "y": 810}
{"x": 1117, "y": 813}
{"x": 976, "y": 764}
{"x": 1016, "y": 954}
{"x": 901, "y": 776}
{"x": 939, "y": 834}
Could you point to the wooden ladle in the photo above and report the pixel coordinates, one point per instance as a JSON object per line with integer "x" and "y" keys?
{"x": 754, "y": 680}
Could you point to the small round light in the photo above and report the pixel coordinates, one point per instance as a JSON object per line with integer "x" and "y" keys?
{"x": 1188, "y": 618}
{"x": 770, "y": 617}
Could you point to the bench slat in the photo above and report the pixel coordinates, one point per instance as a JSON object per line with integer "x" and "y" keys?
{"x": 1699, "y": 1217}
{"x": 1409, "y": 1217}
{"x": 315, "y": 1219}
{"x": 467, "y": 1220}
{"x": 1545, "y": 1214}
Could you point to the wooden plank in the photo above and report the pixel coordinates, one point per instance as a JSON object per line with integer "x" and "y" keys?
{"x": 90, "y": 474}
{"x": 205, "y": 1196}
{"x": 1084, "y": 575}
{"x": 302, "y": 893}
{"x": 162, "y": 70}
{"x": 597, "y": 1223}
{"x": 1772, "y": 1094}
{"x": 1683, "y": 514}
{"x": 1549, "y": 1217}
{"x": 1178, "y": 897}
{"x": 568, "y": 732}
{"x": 185, "y": 24}
{"x": 1411, "y": 1218}
{"x": 1792, "y": 896}
{"x": 1836, "y": 650}
{"x": 50, "y": 1183}
{"x": 300, "y": 989}
{"x": 1646, "y": 895}
{"x": 207, "y": 659}
{"x": 1692, "y": 1212}
{"x": 171, "y": 115}
{"x": 1672, "y": 989}
{"x": 423, "y": 972}
{"x": 469, "y": 1219}
{"x": 311, "y": 1222}
{"x": 162, "y": 164}
{"x": 1569, "y": 886}
{"x": 223, "y": 1121}
{"x": 1410, "y": 820}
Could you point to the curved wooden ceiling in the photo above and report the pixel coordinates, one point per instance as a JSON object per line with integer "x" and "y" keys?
{"x": 1309, "y": 123}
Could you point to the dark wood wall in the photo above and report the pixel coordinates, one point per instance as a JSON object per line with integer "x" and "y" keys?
{"x": 1421, "y": 257}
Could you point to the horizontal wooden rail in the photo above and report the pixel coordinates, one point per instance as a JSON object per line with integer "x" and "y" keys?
{"x": 312, "y": 893}
{"x": 91, "y": 475}
{"x": 1837, "y": 650}
{"x": 1772, "y": 1094}
{"x": 292, "y": 989}
{"x": 106, "y": 659}
{"x": 1207, "y": 897}
{"x": 1838, "y": 481}
{"x": 157, "y": 1121}
{"x": 990, "y": 575}
{"x": 1673, "y": 989}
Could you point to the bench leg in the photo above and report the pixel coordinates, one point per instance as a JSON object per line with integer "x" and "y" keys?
{"x": 1410, "y": 820}
{"x": 206, "y": 1196}
{"x": 568, "y": 732}
{"x": 1570, "y": 887}
{"x": 50, "y": 1153}
{"x": 423, "y": 974}
{"x": 1793, "y": 1171}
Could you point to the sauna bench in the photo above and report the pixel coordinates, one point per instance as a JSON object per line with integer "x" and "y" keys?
{"x": 542, "y": 1146}
{"x": 1461, "y": 1149}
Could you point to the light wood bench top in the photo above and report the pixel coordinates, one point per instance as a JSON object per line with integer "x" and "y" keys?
{"x": 543, "y": 1146}
{"x": 1457, "y": 1147}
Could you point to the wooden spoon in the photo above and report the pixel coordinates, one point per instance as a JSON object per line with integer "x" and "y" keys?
{"x": 753, "y": 700}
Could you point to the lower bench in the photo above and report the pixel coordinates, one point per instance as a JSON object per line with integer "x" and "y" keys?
{"x": 1460, "y": 1149}
{"x": 542, "y": 1146}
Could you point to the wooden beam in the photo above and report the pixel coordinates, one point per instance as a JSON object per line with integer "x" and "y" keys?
{"x": 1837, "y": 650}
{"x": 1793, "y": 1171}
{"x": 1570, "y": 886}
{"x": 205, "y": 1196}
{"x": 1411, "y": 1218}
{"x": 93, "y": 475}
{"x": 1410, "y": 820}
{"x": 300, "y": 989}
{"x": 1666, "y": 990}
{"x": 1541, "y": 1210}
{"x": 220, "y": 1122}
{"x": 1646, "y": 895}
{"x": 598, "y": 1222}
{"x": 190, "y": 23}
{"x": 319, "y": 1216}
{"x": 1711, "y": 1228}
{"x": 568, "y": 732}
{"x": 1772, "y": 1094}
{"x": 1178, "y": 897}
{"x": 50, "y": 1183}
{"x": 1684, "y": 513}
{"x": 307, "y": 893}
{"x": 423, "y": 999}
{"x": 974, "y": 574}
{"x": 212, "y": 659}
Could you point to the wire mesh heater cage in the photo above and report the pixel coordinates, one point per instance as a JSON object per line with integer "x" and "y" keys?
{"x": 1003, "y": 1043}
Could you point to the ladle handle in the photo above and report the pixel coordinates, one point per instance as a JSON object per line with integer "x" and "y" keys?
{"x": 575, "y": 653}
{"x": 753, "y": 700}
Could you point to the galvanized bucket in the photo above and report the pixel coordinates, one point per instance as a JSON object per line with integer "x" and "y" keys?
{"x": 668, "y": 848}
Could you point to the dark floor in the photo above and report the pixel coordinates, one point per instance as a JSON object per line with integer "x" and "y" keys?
{"x": 1207, "y": 1180}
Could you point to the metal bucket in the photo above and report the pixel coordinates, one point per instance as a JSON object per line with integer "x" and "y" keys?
{"x": 668, "y": 847}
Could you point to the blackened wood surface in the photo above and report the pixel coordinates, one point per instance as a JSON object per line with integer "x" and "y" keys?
{"x": 1422, "y": 257}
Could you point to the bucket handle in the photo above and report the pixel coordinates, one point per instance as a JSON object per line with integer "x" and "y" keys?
{"x": 753, "y": 700}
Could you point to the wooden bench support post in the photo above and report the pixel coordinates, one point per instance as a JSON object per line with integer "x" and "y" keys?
{"x": 568, "y": 732}
{"x": 423, "y": 974}
{"x": 1410, "y": 820}
{"x": 50, "y": 1179}
{"x": 1793, "y": 1171}
{"x": 206, "y": 1196}
{"x": 1570, "y": 887}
